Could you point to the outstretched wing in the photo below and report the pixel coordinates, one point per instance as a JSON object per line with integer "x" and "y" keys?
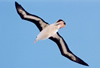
{"x": 65, "y": 50}
{"x": 39, "y": 22}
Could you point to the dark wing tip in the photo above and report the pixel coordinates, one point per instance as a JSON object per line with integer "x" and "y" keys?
{"x": 17, "y": 5}
{"x": 15, "y": 2}
{"x": 78, "y": 60}
{"x": 82, "y": 62}
{"x": 85, "y": 64}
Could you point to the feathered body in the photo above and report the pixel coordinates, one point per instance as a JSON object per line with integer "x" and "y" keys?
{"x": 48, "y": 32}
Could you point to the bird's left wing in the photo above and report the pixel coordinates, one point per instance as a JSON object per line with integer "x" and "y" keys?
{"x": 39, "y": 22}
{"x": 65, "y": 50}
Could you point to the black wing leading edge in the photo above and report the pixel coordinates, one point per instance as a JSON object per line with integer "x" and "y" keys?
{"x": 65, "y": 50}
{"x": 41, "y": 24}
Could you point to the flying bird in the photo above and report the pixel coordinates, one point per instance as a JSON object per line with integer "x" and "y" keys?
{"x": 49, "y": 31}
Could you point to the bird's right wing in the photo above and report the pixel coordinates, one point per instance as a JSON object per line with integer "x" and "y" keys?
{"x": 39, "y": 22}
{"x": 65, "y": 50}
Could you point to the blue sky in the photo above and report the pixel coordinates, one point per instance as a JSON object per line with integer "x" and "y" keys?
{"x": 82, "y": 34}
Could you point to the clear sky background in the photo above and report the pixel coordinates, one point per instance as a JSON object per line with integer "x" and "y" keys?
{"x": 82, "y": 34}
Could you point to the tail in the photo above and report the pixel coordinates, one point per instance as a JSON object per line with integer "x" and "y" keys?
{"x": 35, "y": 41}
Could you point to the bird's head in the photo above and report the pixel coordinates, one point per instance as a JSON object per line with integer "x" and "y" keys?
{"x": 61, "y": 23}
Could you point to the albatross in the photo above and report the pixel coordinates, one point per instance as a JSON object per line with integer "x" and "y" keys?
{"x": 49, "y": 31}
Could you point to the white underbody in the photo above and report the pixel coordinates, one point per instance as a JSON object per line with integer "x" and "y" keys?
{"x": 47, "y": 32}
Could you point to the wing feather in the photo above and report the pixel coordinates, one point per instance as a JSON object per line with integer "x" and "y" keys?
{"x": 65, "y": 50}
{"x": 39, "y": 22}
